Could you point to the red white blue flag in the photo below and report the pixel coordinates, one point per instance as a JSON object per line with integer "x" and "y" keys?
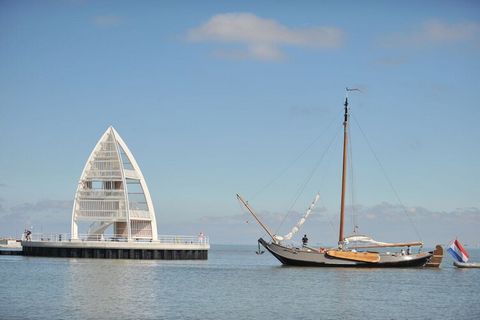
{"x": 458, "y": 252}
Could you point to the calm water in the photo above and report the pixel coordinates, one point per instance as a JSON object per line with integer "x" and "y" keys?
{"x": 234, "y": 283}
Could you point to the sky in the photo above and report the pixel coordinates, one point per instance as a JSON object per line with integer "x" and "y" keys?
{"x": 216, "y": 98}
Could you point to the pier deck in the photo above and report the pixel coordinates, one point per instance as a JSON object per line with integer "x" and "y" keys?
{"x": 166, "y": 248}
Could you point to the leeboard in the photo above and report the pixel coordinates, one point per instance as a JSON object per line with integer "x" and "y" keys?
{"x": 355, "y": 256}
{"x": 437, "y": 257}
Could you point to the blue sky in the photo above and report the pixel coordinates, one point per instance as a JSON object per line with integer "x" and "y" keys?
{"x": 219, "y": 97}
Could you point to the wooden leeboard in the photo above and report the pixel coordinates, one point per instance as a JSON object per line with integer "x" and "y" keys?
{"x": 437, "y": 257}
{"x": 355, "y": 256}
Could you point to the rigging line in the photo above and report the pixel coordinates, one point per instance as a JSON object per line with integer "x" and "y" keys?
{"x": 309, "y": 177}
{"x": 285, "y": 169}
{"x": 352, "y": 183}
{"x": 321, "y": 181}
{"x": 244, "y": 211}
{"x": 388, "y": 180}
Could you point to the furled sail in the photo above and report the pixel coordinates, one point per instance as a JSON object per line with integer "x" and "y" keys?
{"x": 300, "y": 222}
{"x": 360, "y": 241}
{"x": 364, "y": 240}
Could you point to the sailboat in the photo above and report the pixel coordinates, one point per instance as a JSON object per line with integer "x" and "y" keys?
{"x": 352, "y": 251}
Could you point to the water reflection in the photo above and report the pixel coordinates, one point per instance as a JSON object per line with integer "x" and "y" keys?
{"x": 234, "y": 283}
{"x": 109, "y": 288}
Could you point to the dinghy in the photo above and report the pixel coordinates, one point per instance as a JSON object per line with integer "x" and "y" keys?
{"x": 466, "y": 264}
{"x": 461, "y": 256}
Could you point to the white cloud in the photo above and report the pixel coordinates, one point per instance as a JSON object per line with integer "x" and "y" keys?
{"x": 107, "y": 21}
{"x": 384, "y": 222}
{"x": 261, "y": 38}
{"x": 388, "y": 222}
{"x": 43, "y": 206}
{"x": 435, "y": 32}
{"x": 44, "y": 216}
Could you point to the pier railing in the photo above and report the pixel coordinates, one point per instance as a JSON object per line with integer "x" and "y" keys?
{"x": 66, "y": 237}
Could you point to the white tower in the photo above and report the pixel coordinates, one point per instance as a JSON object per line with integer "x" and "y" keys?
{"x": 112, "y": 192}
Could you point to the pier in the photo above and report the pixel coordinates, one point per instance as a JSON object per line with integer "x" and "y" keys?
{"x": 113, "y": 206}
{"x": 164, "y": 248}
{"x": 10, "y": 247}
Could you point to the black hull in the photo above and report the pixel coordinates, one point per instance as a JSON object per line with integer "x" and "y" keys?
{"x": 321, "y": 260}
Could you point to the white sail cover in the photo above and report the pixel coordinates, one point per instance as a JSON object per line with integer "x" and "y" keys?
{"x": 300, "y": 222}
{"x": 365, "y": 240}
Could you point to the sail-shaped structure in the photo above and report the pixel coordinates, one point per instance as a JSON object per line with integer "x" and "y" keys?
{"x": 113, "y": 215}
{"x": 112, "y": 194}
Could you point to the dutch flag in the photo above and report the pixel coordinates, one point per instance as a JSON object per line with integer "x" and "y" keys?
{"x": 458, "y": 252}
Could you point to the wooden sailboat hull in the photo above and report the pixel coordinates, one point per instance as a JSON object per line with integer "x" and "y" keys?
{"x": 313, "y": 258}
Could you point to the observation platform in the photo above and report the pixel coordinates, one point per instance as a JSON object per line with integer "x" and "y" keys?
{"x": 111, "y": 247}
{"x": 113, "y": 201}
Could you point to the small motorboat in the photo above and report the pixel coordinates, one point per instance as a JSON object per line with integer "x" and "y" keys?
{"x": 466, "y": 264}
{"x": 460, "y": 256}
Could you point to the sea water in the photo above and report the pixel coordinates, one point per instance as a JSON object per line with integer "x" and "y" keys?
{"x": 235, "y": 283}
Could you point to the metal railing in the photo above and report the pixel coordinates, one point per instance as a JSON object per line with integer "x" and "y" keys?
{"x": 142, "y": 214}
{"x": 66, "y": 237}
{"x": 99, "y": 214}
{"x": 101, "y": 193}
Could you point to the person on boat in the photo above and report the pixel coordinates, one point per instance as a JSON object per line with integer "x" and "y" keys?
{"x": 403, "y": 252}
{"x": 409, "y": 250}
{"x": 305, "y": 240}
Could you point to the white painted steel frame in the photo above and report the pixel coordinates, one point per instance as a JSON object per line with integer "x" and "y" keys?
{"x": 119, "y": 143}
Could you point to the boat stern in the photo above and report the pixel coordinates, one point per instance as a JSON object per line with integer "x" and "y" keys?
{"x": 437, "y": 257}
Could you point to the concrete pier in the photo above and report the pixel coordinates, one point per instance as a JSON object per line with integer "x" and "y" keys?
{"x": 172, "y": 249}
{"x": 113, "y": 206}
{"x": 115, "y": 253}
{"x": 10, "y": 247}
{"x": 11, "y": 252}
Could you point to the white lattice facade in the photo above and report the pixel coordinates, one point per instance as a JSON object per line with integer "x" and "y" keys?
{"x": 112, "y": 193}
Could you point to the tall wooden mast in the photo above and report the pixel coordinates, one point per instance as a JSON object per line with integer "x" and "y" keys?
{"x": 344, "y": 171}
